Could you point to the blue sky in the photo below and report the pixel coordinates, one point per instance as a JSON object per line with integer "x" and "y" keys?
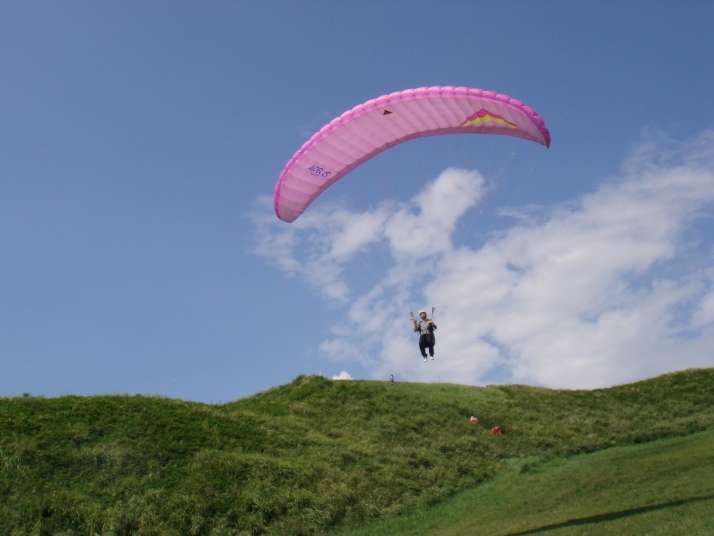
{"x": 140, "y": 144}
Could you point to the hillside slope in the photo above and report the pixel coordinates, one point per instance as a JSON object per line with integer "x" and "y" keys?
{"x": 311, "y": 455}
{"x": 659, "y": 488}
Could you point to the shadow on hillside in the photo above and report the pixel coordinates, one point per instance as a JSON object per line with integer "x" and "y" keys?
{"x": 613, "y": 515}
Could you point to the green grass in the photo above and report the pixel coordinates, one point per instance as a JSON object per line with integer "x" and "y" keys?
{"x": 308, "y": 457}
{"x": 664, "y": 487}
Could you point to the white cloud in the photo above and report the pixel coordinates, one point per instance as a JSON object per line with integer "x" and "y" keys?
{"x": 344, "y": 375}
{"x": 419, "y": 234}
{"x": 611, "y": 287}
{"x": 704, "y": 314}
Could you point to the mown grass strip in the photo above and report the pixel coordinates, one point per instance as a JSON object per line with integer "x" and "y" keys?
{"x": 661, "y": 488}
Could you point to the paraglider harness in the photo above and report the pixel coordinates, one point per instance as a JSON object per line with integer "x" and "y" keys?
{"x": 426, "y": 338}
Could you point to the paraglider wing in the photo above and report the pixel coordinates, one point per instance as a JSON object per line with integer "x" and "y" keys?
{"x": 370, "y": 128}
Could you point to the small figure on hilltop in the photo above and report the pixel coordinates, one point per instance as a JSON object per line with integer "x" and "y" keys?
{"x": 426, "y": 328}
{"x": 391, "y": 378}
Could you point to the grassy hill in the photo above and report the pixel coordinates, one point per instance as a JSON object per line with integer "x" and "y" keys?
{"x": 307, "y": 457}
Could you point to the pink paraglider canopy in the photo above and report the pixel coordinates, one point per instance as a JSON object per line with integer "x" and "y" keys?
{"x": 370, "y": 128}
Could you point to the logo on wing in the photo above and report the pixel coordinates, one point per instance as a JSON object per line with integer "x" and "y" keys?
{"x": 483, "y": 116}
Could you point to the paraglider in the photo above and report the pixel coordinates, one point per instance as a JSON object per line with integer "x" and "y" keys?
{"x": 379, "y": 124}
{"x": 363, "y": 132}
